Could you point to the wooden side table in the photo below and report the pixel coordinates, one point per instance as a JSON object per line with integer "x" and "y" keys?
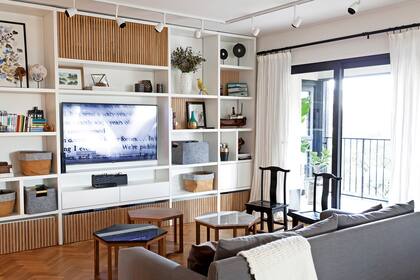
{"x": 127, "y": 235}
{"x": 158, "y": 216}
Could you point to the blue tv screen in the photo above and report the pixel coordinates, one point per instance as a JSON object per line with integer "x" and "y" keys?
{"x": 101, "y": 133}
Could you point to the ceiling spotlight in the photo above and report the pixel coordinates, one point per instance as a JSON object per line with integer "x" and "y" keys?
{"x": 297, "y": 20}
{"x": 255, "y": 30}
{"x": 70, "y": 12}
{"x": 159, "y": 27}
{"x": 199, "y": 32}
{"x": 120, "y": 21}
{"x": 354, "y": 8}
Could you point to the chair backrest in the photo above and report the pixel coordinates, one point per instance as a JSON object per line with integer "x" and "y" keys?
{"x": 274, "y": 170}
{"x": 326, "y": 179}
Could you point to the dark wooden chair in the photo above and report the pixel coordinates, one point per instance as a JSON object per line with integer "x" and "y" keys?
{"x": 270, "y": 207}
{"x": 310, "y": 217}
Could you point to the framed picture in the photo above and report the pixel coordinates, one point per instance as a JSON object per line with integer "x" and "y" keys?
{"x": 12, "y": 53}
{"x": 70, "y": 77}
{"x": 199, "y": 109}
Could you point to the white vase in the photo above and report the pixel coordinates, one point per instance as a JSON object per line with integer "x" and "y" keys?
{"x": 185, "y": 83}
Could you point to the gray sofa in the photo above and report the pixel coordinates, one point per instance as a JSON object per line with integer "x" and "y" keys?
{"x": 383, "y": 250}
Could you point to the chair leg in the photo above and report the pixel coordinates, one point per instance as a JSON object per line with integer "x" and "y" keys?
{"x": 270, "y": 222}
{"x": 262, "y": 221}
{"x": 295, "y": 222}
{"x": 285, "y": 223}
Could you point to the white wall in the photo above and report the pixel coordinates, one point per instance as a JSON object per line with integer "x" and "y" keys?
{"x": 396, "y": 15}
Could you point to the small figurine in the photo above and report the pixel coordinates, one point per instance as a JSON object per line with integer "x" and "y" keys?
{"x": 201, "y": 87}
{"x": 19, "y": 74}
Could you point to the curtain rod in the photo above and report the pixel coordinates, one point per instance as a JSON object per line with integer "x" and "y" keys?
{"x": 363, "y": 34}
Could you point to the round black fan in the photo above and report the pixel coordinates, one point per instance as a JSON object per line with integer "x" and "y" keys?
{"x": 239, "y": 50}
{"x": 224, "y": 55}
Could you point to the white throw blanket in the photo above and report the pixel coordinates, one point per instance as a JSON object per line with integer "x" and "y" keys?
{"x": 289, "y": 257}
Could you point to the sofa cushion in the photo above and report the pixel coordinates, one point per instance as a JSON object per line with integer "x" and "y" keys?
{"x": 346, "y": 221}
{"x": 321, "y": 227}
{"x": 299, "y": 226}
{"x": 376, "y": 207}
{"x": 328, "y": 213}
{"x": 227, "y": 248}
{"x": 201, "y": 256}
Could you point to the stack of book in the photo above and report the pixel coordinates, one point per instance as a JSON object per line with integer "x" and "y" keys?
{"x": 237, "y": 89}
{"x": 20, "y": 123}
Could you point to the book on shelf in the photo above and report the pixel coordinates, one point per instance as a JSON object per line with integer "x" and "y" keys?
{"x": 21, "y": 123}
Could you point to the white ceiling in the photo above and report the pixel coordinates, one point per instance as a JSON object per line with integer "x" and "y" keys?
{"x": 313, "y": 12}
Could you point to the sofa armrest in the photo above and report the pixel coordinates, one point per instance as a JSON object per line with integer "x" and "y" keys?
{"x": 230, "y": 269}
{"x": 138, "y": 263}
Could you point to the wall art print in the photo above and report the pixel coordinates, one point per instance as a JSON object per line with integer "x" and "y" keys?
{"x": 12, "y": 53}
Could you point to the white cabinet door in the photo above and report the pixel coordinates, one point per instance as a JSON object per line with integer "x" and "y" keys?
{"x": 244, "y": 174}
{"x": 145, "y": 191}
{"x": 227, "y": 176}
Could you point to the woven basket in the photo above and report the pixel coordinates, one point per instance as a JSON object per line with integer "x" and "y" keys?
{"x": 7, "y": 202}
{"x": 198, "y": 181}
{"x": 35, "y": 163}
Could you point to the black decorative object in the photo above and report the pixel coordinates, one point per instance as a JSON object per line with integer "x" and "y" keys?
{"x": 143, "y": 86}
{"x": 224, "y": 55}
{"x": 239, "y": 51}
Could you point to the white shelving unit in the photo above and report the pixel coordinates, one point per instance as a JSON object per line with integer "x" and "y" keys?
{"x": 157, "y": 182}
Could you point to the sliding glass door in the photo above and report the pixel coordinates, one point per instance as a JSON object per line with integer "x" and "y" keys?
{"x": 345, "y": 125}
{"x": 365, "y": 160}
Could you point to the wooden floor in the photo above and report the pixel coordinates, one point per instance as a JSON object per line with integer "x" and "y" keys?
{"x": 75, "y": 261}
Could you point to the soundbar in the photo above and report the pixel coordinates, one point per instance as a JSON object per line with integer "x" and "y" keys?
{"x": 109, "y": 180}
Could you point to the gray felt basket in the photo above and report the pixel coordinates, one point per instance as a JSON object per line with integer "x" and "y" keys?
{"x": 40, "y": 199}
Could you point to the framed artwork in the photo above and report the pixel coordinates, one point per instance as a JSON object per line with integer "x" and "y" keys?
{"x": 199, "y": 109}
{"x": 70, "y": 78}
{"x": 12, "y": 53}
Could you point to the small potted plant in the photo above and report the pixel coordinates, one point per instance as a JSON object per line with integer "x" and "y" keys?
{"x": 187, "y": 62}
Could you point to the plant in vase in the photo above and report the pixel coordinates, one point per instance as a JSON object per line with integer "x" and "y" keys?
{"x": 319, "y": 163}
{"x": 187, "y": 62}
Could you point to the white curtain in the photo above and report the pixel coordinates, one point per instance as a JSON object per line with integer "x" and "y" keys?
{"x": 277, "y": 123}
{"x": 405, "y": 142}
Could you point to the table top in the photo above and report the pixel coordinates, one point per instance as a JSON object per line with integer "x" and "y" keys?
{"x": 227, "y": 219}
{"x": 154, "y": 213}
{"x": 129, "y": 233}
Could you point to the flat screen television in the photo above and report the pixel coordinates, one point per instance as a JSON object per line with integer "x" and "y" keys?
{"x": 105, "y": 133}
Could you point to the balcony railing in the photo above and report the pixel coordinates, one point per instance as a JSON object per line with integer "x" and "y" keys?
{"x": 365, "y": 167}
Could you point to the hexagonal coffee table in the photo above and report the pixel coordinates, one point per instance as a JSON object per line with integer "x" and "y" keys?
{"x": 225, "y": 220}
{"x": 127, "y": 235}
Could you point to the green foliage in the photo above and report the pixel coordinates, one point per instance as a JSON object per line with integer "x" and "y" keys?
{"x": 305, "y": 108}
{"x": 320, "y": 161}
{"x": 305, "y": 145}
{"x": 186, "y": 60}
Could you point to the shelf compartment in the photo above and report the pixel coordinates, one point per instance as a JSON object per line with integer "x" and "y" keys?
{"x": 207, "y": 130}
{"x": 193, "y": 96}
{"x": 182, "y": 166}
{"x": 236, "y": 67}
{"x": 112, "y": 93}
{"x": 19, "y": 177}
{"x": 227, "y": 97}
{"x": 181, "y": 194}
{"x": 26, "y": 90}
{"x": 27, "y": 134}
{"x": 103, "y": 64}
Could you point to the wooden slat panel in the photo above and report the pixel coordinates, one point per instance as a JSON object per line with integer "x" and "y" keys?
{"x": 28, "y": 234}
{"x": 196, "y": 207}
{"x": 98, "y": 39}
{"x": 81, "y": 226}
{"x": 228, "y": 76}
{"x": 234, "y": 201}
